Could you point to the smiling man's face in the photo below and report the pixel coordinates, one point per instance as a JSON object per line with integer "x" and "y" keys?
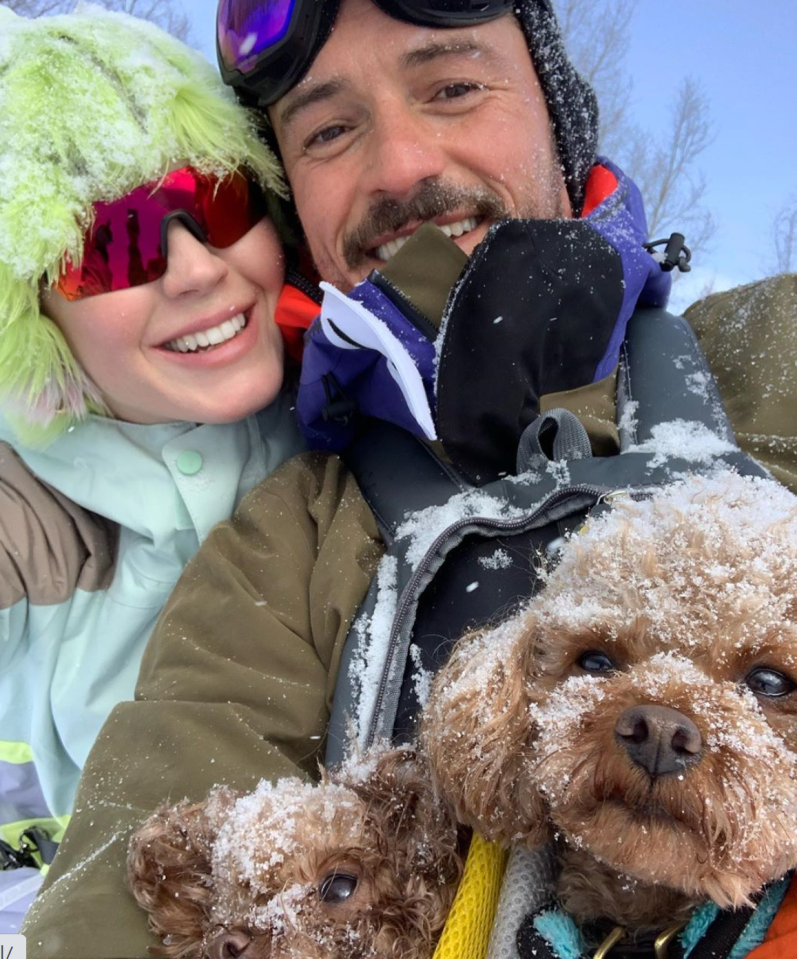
{"x": 397, "y": 124}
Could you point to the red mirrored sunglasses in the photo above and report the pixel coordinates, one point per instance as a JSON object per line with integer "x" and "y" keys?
{"x": 126, "y": 245}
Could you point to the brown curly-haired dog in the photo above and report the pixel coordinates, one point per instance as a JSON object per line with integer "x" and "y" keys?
{"x": 364, "y": 864}
{"x": 642, "y": 707}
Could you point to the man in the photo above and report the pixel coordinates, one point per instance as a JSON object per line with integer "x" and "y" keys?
{"x": 374, "y": 146}
{"x": 429, "y": 121}
{"x": 389, "y": 125}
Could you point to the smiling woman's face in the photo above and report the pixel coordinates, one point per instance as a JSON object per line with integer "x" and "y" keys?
{"x": 139, "y": 345}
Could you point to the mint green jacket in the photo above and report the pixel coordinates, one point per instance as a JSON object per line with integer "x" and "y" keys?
{"x": 95, "y": 530}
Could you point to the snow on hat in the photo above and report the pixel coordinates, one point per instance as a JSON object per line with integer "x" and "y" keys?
{"x": 92, "y": 105}
{"x": 572, "y": 104}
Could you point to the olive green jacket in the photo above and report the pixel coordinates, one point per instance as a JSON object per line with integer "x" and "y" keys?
{"x": 749, "y": 336}
{"x": 214, "y": 703}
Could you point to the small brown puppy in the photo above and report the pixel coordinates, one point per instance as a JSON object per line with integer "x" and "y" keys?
{"x": 363, "y": 865}
{"x": 642, "y": 707}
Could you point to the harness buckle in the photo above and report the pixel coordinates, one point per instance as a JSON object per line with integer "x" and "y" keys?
{"x": 661, "y": 945}
{"x": 609, "y": 943}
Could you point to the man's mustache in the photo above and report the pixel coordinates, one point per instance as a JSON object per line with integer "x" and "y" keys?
{"x": 388, "y": 215}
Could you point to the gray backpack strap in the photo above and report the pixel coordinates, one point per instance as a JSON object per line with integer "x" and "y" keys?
{"x": 529, "y": 885}
{"x": 555, "y": 435}
{"x": 398, "y": 474}
{"x": 664, "y": 374}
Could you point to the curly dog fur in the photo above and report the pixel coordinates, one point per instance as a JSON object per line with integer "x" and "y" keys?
{"x": 641, "y": 707}
{"x": 364, "y": 864}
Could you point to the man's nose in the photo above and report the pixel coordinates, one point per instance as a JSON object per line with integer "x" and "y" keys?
{"x": 191, "y": 265}
{"x": 405, "y": 150}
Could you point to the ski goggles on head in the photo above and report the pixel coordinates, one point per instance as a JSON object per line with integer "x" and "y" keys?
{"x": 266, "y": 46}
{"x": 126, "y": 244}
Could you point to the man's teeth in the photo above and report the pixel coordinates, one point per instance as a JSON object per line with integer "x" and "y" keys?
{"x": 392, "y": 247}
{"x": 212, "y": 337}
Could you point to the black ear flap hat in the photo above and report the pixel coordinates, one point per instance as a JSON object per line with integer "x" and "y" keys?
{"x": 572, "y": 104}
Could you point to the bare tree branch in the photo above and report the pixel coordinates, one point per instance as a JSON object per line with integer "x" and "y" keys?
{"x": 597, "y": 35}
{"x": 784, "y": 238}
{"x": 666, "y": 173}
{"x": 167, "y": 14}
{"x": 33, "y": 8}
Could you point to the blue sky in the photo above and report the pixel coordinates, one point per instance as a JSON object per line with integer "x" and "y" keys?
{"x": 745, "y": 58}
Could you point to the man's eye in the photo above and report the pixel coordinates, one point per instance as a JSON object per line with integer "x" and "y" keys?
{"x": 596, "y": 662}
{"x": 769, "y": 682}
{"x": 327, "y": 135}
{"x": 455, "y": 90}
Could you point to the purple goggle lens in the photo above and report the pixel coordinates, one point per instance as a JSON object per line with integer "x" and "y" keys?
{"x": 245, "y": 28}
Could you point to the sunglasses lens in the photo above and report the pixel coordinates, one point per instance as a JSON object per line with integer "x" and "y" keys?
{"x": 230, "y": 209}
{"x": 123, "y": 247}
{"x": 121, "y": 250}
{"x": 245, "y": 28}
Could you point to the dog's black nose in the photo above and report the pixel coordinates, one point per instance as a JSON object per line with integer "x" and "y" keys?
{"x": 659, "y": 739}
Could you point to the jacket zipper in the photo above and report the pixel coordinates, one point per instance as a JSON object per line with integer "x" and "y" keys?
{"x": 597, "y": 493}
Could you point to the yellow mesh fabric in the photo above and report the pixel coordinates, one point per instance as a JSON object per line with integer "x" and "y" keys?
{"x": 467, "y": 931}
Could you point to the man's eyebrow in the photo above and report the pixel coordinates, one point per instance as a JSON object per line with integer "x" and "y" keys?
{"x": 306, "y": 98}
{"x": 450, "y": 48}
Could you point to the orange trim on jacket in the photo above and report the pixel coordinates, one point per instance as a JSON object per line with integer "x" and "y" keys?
{"x": 780, "y": 941}
{"x": 294, "y": 314}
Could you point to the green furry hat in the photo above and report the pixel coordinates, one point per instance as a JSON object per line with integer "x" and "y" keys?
{"x": 92, "y": 105}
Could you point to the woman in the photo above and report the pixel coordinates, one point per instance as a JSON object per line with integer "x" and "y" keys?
{"x": 141, "y": 375}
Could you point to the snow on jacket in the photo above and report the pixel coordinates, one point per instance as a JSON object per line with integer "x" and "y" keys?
{"x": 95, "y": 530}
{"x": 749, "y": 336}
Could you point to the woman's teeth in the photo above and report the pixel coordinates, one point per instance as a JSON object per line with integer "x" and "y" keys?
{"x": 212, "y": 337}
{"x": 459, "y": 228}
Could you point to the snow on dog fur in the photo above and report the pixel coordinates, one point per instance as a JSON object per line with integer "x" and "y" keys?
{"x": 642, "y": 707}
{"x": 364, "y": 864}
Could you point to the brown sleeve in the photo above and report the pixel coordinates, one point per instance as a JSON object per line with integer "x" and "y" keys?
{"x": 749, "y": 336}
{"x": 235, "y": 686}
{"x": 48, "y": 545}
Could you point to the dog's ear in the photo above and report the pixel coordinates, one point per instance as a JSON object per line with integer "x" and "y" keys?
{"x": 398, "y": 793}
{"x": 477, "y": 732}
{"x": 418, "y": 843}
{"x": 169, "y": 870}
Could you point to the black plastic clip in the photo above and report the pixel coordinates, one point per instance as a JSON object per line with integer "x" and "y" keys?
{"x": 676, "y": 253}
{"x": 339, "y": 408}
{"x": 11, "y": 858}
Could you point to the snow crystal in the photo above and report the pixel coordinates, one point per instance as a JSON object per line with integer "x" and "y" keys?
{"x": 422, "y": 678}
{"x": 423, "y": 528}
{"x": 698, "y": 383}
{"x": 368, "y": 665}
{"x": 628, "y": 420}
{"x": 500, "y": 559}
{"x": 686, "y": 440}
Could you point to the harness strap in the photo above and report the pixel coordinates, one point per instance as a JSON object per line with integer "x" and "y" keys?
{"x": 555, "y": 435}
{"x": 666, "y": 375}
{"x": 398, "y": 474}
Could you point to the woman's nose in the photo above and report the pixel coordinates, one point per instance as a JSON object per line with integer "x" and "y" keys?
{"x": 191, "y": 265}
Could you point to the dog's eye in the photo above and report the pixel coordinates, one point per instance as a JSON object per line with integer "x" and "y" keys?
{"x": 596, "y": 662}
{"x": 769, "y": 682}
{"x": 337, "y": 887}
